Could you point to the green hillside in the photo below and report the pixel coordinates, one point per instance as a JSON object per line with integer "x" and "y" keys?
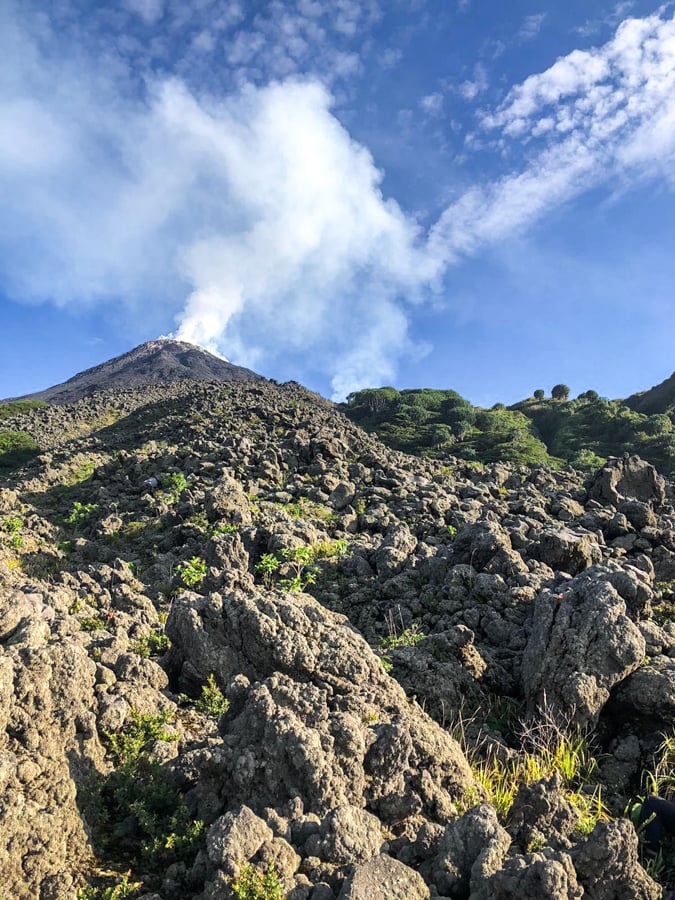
{"x": 540, "y": 430}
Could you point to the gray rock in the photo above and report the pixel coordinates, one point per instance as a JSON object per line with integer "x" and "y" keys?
{"x": 568, "y": 551}
{"x": 471, "y": 849}
{"x": 548, "y": 875}
{"x": 607, "y": 865}
{"x": 235, "y": 838}
{"x": 384, "y": 878}
{"x": 348, "y": 835}
{"x": 628, "y": 479}
{"x": 581, "y": 644}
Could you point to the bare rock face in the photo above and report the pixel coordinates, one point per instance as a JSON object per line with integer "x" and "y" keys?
{"x": 649, "y": 693}
{"x": 548, "y": 875}
{"x": 629, "y": 479}
{"x": 607, "y": 865}
{"x": 581, "y": 644}
{"x": 384, "y": 878}
{"x": 48, "y": 736}
{"x": 310, "y": 723}
{"x": 568, "y": 551}
{"x": 471, "y": 850}
{"x": 542, "y": 815}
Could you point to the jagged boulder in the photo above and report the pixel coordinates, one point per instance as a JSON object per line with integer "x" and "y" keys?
{"x": 542, "y": 815}
{"x": 607, "y": 865}
{"x": 470, "y": 850}
{"x": 628, "y": 479}
{"x": 384, "y": 878}
{"x": 308, "y": 697}
{"x": 581, "y": 644}
{"x": 48, "y": 738}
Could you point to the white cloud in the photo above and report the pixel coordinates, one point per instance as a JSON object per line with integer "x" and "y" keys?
{"x": 250, "y": 217}
{"x": 149, "y": 10}
{"x": 603, "y": 116}
{"x": 471, "y": 89}
{"x": 432, "y": 103}
{"x": 253, "y": 220}
{"x": 531, "y": 26}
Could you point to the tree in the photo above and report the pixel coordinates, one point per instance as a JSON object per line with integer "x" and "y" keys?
{"x": 539, "y": 394}
{"x": 560, "y": 392}
{"x": 589, "y": 395}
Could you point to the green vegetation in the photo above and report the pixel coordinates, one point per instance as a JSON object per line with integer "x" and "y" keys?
{"x": 120, "y": 891}
{"x": 11, "y": 527}
{"x": 538, "y": 431}
{"x": 153, "y": 644}
{"x": 253, "y": 885}
{"x": 547, "y": 747}
{"x": 133, "y": 742}
{"x": 173, "y": 485}
{"x": 80, "y": 514}
{"x": 136, "y": 813}
{"x": 16, "y": 407}
{"x": 297, "y": 565}
{"x": 212, "y": 701}
{"x": 16, "y": 448}
{"x": 192, "y": 572}
{"x": 408, "y": 637}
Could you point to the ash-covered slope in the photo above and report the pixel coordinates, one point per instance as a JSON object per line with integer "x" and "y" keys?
{"x": 156, "y": 362}
{"x": 246, "y": 543}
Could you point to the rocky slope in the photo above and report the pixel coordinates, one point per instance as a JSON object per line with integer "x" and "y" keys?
{"x": 248, "y": 651}
{"x": 162, "y": 361}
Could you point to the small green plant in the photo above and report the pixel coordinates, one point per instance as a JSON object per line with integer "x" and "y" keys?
{"x": 407, "y": 638}
{"x": 11, "y": 527}
{"x": 80, "y": 513}
{"x": 134, "y": 741}
{"x": 198, "y": 520}
{"x": 266, "y": 566}
{"x": 153, "y": 644}
{"x": 120, "y": 891}
{"x": 224, "y": 528}
{"x": 452, "y": 532}
{"x": 136, "y": 813}
{"x": 299, "y": 562}
{"x": 193, "y": 571}
{"x": 212, "y": 701}
{"x": 92, "y": 623}
{"x": 254, "y": 885}
{"x": 173, "y": 485}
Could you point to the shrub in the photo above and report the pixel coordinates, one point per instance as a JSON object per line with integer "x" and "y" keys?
{"x": 134, "y": 740}
{"x": 253, "y": 885}
{"x": 212, "y": 701}
{"x": 136, "y": 812}
{"x": 266, "y": 566}
{"x": 153, "y": 644}
{"x": 120, "y": 891}
{"x": 173, "y": 485}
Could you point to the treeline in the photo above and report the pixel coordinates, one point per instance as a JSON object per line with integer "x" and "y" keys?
{"x": 551, "y": 431}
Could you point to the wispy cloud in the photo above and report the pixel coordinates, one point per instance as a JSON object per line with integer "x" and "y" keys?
{"x": 531, "y": 26}
{"x": 597, "y": 117}
{"x": 471, "y": 88}
{"x": 610, "y": 20}
{"x": 432, "y": 104}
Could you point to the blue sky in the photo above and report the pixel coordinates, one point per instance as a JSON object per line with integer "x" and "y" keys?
{"x": 449, "y": 193}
